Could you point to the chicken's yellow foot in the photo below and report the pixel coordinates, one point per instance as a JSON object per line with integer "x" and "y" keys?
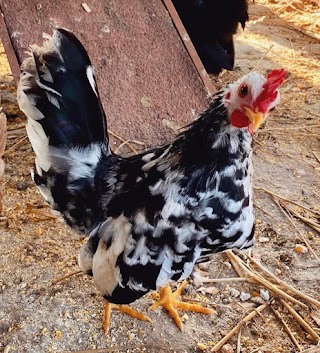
{"x": 169, "y": 301}
{"x": 124, "y": 309}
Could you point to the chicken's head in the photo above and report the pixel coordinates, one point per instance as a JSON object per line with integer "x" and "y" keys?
{"x": 250, "y": 99}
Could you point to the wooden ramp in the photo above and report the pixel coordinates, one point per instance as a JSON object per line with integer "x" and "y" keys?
{"x": 148, "y": 82}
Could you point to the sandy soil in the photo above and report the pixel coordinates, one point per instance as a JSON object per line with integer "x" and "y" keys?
{"x": 38, "y": 314}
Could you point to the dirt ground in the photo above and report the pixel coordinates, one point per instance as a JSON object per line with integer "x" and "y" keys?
{"x": 40, "y": 314}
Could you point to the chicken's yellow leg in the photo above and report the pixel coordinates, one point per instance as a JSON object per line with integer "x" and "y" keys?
{"x": 124, "y": 309}
{"x": 169, "y": 301}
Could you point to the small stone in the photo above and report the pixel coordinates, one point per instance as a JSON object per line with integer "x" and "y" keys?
{"x": 277, "y": 271}
{"x": 310, "y": 235}
{"x": 86, "y": 7}
{"x": 258, "y": 300}
{"x": 201, "y": 346}
{"x": 234, "y": 292}
{"x": 227, "y": 348}
{"x": 225, "y": 301}
{"x": 22, "y": 186}
{"x": 300, "y": 249}
{"x": 208, "y": 290}
{"x": 131, "y": 336}
{"x": 184, "y": 318}
{"x": 105, "y": 29}
{"x": 264, "y": 239}
{"x": 264, "y": 294}
{"x": 197, "y": 279}
{"x": 244, "y": 296}
{"x": 58, "y": 335}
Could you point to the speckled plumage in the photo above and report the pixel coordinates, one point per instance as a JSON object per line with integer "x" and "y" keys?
{"x": 151, "y": 217}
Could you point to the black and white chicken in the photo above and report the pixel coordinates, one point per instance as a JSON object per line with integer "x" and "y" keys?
{"x": 151, "y": 217}
{"x": 211, "y": 25}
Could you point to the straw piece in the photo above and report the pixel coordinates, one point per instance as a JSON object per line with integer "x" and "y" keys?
{"x": 238, "y": 326}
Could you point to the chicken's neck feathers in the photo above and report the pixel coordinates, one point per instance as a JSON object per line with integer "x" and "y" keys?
{"x": 211, "y": 140}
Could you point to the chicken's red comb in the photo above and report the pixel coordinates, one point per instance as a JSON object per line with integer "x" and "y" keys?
{"x": 274, "y": 79}
{"x": 269, "y": 93}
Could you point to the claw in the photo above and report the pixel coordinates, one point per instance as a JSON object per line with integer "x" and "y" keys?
{"x": 169, "y": 301}
{"x": 124, "y": 309}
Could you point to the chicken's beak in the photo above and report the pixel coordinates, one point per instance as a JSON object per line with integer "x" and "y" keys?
{"x": 256, "y": 118}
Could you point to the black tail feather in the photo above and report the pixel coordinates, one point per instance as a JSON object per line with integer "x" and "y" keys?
{"x": 58, "y": 81}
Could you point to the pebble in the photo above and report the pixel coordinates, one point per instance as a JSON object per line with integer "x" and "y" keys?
{"x": 197, "y": 279}
{"x": 131, "y": 336}
{"x": 277, "y": 271}
{"x": 234, "y": 292}
{"x": 208, "y": 290}
{"x": 22, "y": 186}
{"x": 244, "y": 296}
{"x": 184, "y": 318}
{"x": 86, "y": 7}
{"x": 105, "y": 29}
{"x": 58, "y": 335}
{"x": 201, "y": 346}
{"x": 264, "y": 239}
{"x": 226, "y": 301}
{"x": 257, "y": 300}
{"x": 300, "y": 249}
{"x": 227, "y": 348}
{"x": 264, "y": 294}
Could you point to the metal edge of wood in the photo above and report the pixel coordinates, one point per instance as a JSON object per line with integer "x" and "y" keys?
{"x": 7, "y": 44}
{"x": 190, "y": 47}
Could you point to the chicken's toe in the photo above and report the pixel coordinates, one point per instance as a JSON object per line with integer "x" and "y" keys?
{"x": 124, "y": 309}
{"x": 168, "y": 300}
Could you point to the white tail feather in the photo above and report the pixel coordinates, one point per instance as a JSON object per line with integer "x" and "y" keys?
{"x": 27, "y": 102}
{"x": 40, "y": 143}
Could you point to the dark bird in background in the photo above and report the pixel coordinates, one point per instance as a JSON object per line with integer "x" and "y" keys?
{"x": 211, "y": 25}
{"x": 151, "y": 217}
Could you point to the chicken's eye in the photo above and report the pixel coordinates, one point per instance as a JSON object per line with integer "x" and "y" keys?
{"x": 244, "y": 90}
